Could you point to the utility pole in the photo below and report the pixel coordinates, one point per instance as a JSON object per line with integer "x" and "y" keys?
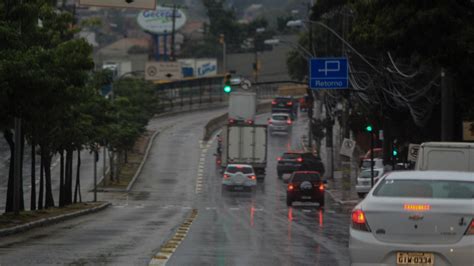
{"x": 446, "y": 108}
{"x": 17, "y": 167}
{"x": 310, "y": 94}
{"x": 173, "y": 33}
{"x": 224, "y": 57}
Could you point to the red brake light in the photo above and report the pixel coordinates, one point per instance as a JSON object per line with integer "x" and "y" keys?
{"x": 219, "y": 161}
{"x": 289, "y": 103}
{"x": 291, "y": 187}
{"x": 299, "y": 159}
{"x": 470, "y": 229}
{"x": 253, "y": 177}
{"x": 250, "y": 122}
{"x": 278, "y": 158}
{"x": 226, "y": 176}
{"x": 231, "y": 121}
{"x": 321, "y": 187}
{"x": 359, "y": 222}
{"x": 274, "y": 102}
{"x": 289, "y": 121}
{"x": 416, "y": 207}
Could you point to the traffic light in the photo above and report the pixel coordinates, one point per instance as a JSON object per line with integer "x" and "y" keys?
{"x": 395, "y": 152}
{"x": 369, "y": 128}
{"x": 227, "y": 83}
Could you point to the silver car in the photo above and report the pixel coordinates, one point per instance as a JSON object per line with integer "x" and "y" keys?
{"x": 239, "y": 176}
{"x": 280, "y": 122}
{"x": 364, "y": 182}
{"x": 415, "y": 218}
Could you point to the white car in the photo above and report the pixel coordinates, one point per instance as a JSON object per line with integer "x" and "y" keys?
{"x": 280, "y": 122}
{"x": 415, "y": 218}
{"x": 378, "y": 163}
{"x": 239, "y": 175}
{"x": 364, "y": 182}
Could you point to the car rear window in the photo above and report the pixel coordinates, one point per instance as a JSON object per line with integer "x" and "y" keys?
{"x": 291, "y": 156}
{"x": 280, "y": 117}
{"x": 300, "y": 177}
{"x": 440, "y": 189}
{"x": 235, "y": 169}
{"x": 367, "y": 174}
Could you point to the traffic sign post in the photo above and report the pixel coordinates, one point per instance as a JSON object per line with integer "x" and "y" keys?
{"x": 328, "y": 73}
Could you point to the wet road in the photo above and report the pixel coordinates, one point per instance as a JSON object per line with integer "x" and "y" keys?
{"x": 232, "y": 228}
{"x": 245, "y": 228}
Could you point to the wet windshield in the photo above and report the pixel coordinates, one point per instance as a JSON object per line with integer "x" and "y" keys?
{"x": 123, "y": 124}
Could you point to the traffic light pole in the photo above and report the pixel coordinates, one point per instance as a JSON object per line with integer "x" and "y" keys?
{"x": 371, "y": 159}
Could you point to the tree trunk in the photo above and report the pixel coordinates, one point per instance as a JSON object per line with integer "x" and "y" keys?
{"x": 68, "y": 179}
{"x": 49, "y": 201}
{"x": 9, "y": 138}
{"x": 41, "y": 185}
{"x": 22, "y": 199}
{"x": 61, "y": 178}
{"x": 112, "y": 166}
{"x": 33, "y": 177}
{"x": 77, "y": 189}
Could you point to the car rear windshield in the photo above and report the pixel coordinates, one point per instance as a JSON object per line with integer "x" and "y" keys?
{"x": 300, "y": 177}
{"x": 440, "y": 189}
{"x": 280, "y": 117}
{"x": 235, "y": 169}
{"x": 291, "y": 156}
{"x": 367, "y": 174}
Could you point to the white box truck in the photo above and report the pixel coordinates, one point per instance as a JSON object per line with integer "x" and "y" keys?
{"x": 448, "y": 156}
{"x": 242, "y": 107}
{"x": 245, "y": 144}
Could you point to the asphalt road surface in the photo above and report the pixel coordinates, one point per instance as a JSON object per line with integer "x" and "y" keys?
{"x": 232, "y": 228}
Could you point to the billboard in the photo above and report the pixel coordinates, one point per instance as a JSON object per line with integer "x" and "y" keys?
{"x": 163, "y": 71}
{"x": 206, "y": 67}
{"x": 160, "y": 20}
{"x": 138, "y": 4}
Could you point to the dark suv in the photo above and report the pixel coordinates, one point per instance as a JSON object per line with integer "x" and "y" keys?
{"x": 305, "y": 186}
{"x": 285, "y": 104}
{"x": 298, "y": 161}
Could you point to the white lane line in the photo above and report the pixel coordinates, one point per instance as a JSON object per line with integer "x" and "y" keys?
{"x": 204, "y": 151}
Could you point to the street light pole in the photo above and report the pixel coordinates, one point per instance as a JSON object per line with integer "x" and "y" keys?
{"x": 371, "y": 159}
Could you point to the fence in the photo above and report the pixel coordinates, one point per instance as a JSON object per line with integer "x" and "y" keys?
{"x": 206, "y": 90}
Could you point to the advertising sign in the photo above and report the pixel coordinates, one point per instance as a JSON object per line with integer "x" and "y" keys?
{"x": 413, "y": 152}
{"x": 160, "y": 20}
{"x": 163, "y": 71}
{"x": 206, "y": 67}
{"x": 347, "y": 147}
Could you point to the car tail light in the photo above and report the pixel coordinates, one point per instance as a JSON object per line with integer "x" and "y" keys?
{"x": 289, "y": 103}
{"x": 231, "y": 121}
{"x": 417, "y": 207}
{"x": 300, "y": 160}
{"x": 321, "y": 187}
{"x": 250, "y": 122}
{"x": 278, "y": 158}
{"x": 226, "y": 176}
{"x": 470, "y": 229}
{"x": 253, "y": 177}
{"x": 291, "y": 187}
{"x": 289, "y": 122}
{"x": 219, "y": 161}
{"x": 359, "y": 222}
{"x": 274, "y": 102}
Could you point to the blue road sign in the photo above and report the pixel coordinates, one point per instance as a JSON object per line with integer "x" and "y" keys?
{"x": 328, "y": 73}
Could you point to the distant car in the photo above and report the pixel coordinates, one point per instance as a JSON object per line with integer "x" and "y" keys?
{"x": 415, "y": 218}
{"x": 239, "y": 176}
{"x": 285, "y": 104}
{"x": 378, "y": 154}
{"x": 280, "y": 122}
{"x": 298, "y": 161}
{"x": 378, "y": 163}
{"x": 364, "y": 180}
{"x": 305, "y": 186}
{"x": 304, "y": 103}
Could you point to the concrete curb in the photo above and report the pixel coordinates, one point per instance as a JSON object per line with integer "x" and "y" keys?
{"x": 50, "y": 220}
{"x": 145, "y": 157}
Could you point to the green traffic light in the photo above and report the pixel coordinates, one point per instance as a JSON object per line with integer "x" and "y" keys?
{"x": 369, "y": 128}
{"x": 227, "y": 89}
{"x": 394, "y": 152}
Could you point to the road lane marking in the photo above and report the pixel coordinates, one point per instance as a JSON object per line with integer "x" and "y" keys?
{"x": 167, "y": 250}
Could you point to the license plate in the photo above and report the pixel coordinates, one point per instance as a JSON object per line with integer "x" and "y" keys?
{"x": 415, "y": 258}
{"x": 306, "y": 197}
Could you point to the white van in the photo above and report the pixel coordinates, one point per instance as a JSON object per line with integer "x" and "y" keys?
{"x": 447, "y": 156}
